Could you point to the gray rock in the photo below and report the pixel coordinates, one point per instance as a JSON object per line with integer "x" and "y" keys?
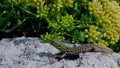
{"x": 117, "y": 58}
{"x": 97, "y": 60}
{"x": 25, "y": 52}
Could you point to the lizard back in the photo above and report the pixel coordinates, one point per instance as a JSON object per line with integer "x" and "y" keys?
{"x": 68, "y": 51}
{"x": 89, "y": 48}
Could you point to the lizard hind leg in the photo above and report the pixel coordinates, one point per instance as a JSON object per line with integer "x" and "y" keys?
{"x": 59, "y": 56}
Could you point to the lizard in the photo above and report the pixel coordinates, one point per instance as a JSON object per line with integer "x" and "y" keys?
{"x": 68, "y": 51}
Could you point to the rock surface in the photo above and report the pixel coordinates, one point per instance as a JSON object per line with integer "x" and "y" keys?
{"x": 33, "y": 53}
{"x": 97, "y": 60}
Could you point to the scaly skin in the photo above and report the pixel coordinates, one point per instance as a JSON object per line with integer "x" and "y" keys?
{"x": 83, "y": 49}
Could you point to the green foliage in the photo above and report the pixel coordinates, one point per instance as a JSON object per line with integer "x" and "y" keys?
{"x": 18, "y": 18}
{"x": 107, "y": 17}
{"x": 116, "y": 47}
{"x": 59, "y": 21}
{"x": 79, "y": 21}
{"x": 7, "y": 14}
{"x": 94, "y": 21}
